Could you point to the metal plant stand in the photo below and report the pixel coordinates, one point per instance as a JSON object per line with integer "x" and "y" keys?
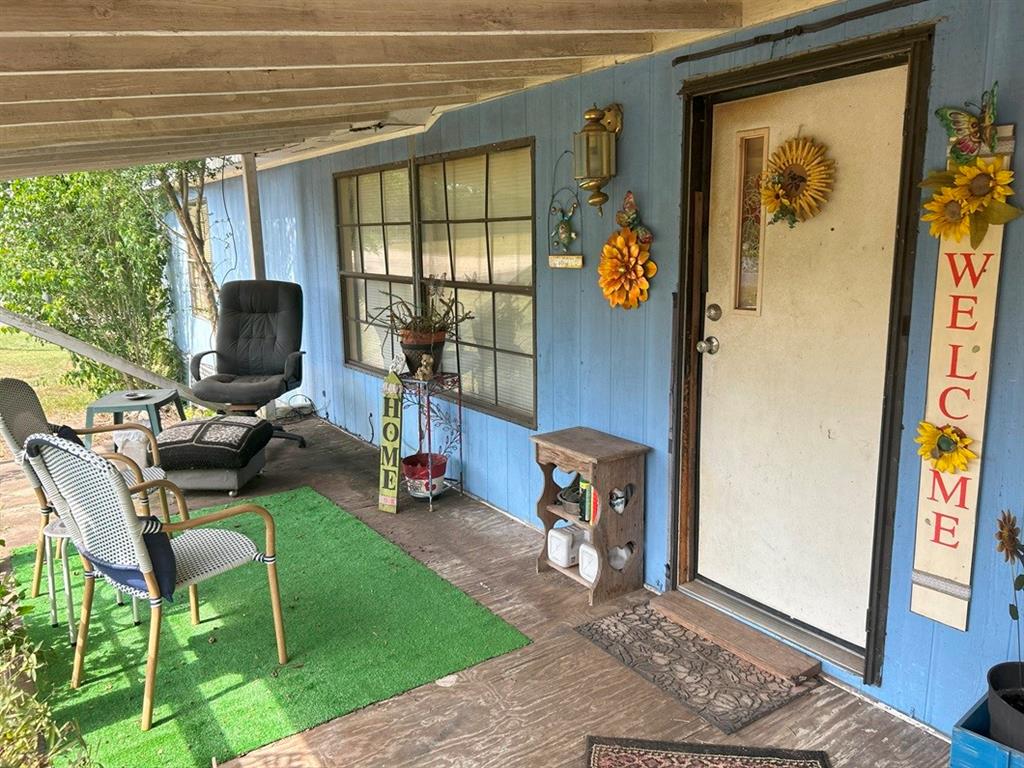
{"x": 423, "y": 395}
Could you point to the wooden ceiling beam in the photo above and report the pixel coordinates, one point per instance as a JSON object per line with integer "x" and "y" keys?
{"x": 42, "y": 112}
{"x": 358, "y": 16}
{"x": 63, "y": 53}
{"x": 101, "y": 85}
{"x": 215, "y": 145}
{"x": 69, "y": 134}
{"x": 10, "y": 169}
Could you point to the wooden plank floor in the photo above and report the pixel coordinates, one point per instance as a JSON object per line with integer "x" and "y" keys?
{"x": 533, "y": 707}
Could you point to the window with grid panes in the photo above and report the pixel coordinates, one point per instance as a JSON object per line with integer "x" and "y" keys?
{"x": 475, "y": 236}
{"x": 376, "y": 258}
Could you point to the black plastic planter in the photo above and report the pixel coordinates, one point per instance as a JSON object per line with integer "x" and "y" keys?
{"x": 1007, "y": 722}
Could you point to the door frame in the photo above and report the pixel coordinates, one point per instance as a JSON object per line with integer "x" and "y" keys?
{"x": 913, "y": 47}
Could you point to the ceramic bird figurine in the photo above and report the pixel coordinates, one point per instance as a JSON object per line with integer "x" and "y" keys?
{"x": 562, "y": 236}
{"x": 629, "y": 217}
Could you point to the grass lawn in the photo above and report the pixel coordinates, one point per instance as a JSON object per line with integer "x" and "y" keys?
{"x": 43, "y": 366}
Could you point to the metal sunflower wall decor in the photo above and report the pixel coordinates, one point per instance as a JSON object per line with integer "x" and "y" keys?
{"x": 797, "y": 181}
{"x": 626, "y": 265}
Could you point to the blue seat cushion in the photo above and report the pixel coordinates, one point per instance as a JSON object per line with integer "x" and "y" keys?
{"x": 160, "y": 555}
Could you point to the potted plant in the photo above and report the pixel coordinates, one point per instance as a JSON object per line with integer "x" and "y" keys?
{"x": 1006, "y": 680}
{"x": 423, "y": 330}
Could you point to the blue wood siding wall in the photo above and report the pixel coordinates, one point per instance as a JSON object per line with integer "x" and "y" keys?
{"x": 610, "y": 369}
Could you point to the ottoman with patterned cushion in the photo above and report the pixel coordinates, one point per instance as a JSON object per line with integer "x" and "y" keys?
{"x": 218, "y": 454}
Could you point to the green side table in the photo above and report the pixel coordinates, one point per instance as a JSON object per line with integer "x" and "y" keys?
{"x": 117, "y": 403}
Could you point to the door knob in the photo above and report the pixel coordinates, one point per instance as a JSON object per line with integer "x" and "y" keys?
{"x": 708, "y": 346}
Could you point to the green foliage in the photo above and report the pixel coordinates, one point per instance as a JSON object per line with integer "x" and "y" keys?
{"x": 29, "y": 736}
{"x": 86, "y": 253}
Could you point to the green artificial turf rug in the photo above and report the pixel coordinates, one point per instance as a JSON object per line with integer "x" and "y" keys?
{"x": 363, "y": 620}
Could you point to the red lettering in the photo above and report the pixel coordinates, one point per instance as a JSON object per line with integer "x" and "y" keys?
{"x": 968, "y": 267}
{"x": 959, "y": 488}
{"x": 954, "y": 363}
{"x": 956, "y": 310}
{"x": 939, "y": 530}
{"x": 942, "y": 402}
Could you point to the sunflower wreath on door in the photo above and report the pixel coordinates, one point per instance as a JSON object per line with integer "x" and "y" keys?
{"x": 798, "y": 181}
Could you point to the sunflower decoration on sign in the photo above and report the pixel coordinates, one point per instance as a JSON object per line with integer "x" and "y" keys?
{"x": 945, "y": 447}
{"x": 968, "y": 199}
{"x": 626, "y": 266}
{"x": 970, "y": 195}
{"x": 797, "y": 181}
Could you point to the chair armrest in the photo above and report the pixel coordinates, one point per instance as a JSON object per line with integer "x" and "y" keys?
{"x": 243, "y": 509}
{"x": 154, "y": 449}
{"x": 120, "y": 458}
{"x": 196, "y": 360}
{"x": 167, "y": 485}
{"x": 293, "y": 366}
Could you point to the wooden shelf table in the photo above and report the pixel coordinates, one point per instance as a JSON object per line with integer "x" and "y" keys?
{"x": 609, "y": 463}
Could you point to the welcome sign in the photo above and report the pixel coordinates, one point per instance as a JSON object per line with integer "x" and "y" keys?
{"x": 966, "y": 292}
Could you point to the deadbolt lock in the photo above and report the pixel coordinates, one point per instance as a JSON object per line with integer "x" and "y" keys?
{"x": 714, "y": 312}
{"x": 708, "y": 346}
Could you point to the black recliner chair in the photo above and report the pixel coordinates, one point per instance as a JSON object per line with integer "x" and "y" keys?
{"x": 259, "y": 332}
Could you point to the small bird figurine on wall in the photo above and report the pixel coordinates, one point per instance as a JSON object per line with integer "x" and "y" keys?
{"x": 563, "y": 235}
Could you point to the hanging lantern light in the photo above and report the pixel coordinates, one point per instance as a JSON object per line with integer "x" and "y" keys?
{"x": 594, "y": 151}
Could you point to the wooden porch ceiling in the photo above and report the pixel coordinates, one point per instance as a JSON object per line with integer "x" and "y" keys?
{"x": 108, "y": 83}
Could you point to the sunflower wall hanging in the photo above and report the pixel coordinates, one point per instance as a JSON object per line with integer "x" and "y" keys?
{"x": 626, "y": 266}
{"x": 970, "y": 194}
{"x": 797, "y": 181}
{"x": 946, "y": 447}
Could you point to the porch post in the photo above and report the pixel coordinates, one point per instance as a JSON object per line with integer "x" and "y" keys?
{"x": 252, "y": 215}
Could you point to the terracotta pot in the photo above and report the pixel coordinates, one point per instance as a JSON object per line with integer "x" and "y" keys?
{"x": 416, "y": 344}
{"x": 1007, "y": 722}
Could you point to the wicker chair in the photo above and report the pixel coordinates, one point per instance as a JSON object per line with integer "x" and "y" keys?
{"x": 22, "y": 415}
{"x": 108, "y": 534}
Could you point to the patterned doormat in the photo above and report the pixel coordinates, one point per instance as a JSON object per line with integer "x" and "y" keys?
{"x": 632, "y": 753}
{"x": 710, "y": 681}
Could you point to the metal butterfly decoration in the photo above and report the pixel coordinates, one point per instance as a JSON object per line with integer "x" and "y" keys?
{"x": 629, "y": 217}
{"x": 971, "y": 134}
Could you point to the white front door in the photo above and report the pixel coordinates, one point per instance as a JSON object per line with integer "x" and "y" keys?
{"x": 791, "y": 402}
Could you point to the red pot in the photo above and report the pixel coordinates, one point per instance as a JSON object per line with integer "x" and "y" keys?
{"x": 424, "y": 474}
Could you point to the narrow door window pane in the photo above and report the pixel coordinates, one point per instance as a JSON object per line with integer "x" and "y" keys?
{"x": 750, "y": 234}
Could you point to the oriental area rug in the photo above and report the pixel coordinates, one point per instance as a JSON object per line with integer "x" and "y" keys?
{"x": 707, "y": 679}
{"x": 632, "y": 753}
{"x": 364, "y": 621}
